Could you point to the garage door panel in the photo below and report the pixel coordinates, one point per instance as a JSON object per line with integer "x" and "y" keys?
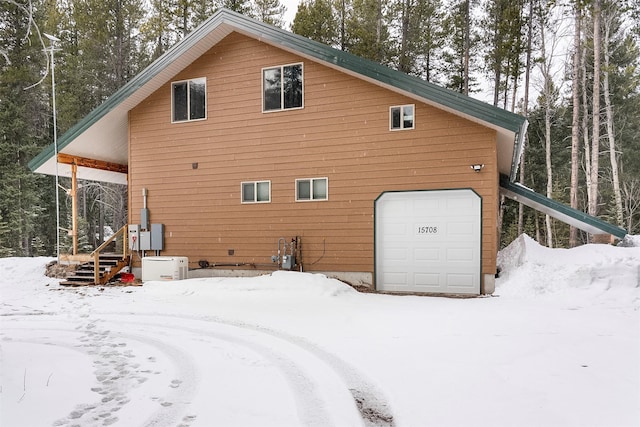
{"x": 426, "y": 254}
{"x": 396, "y": 278}
{"x": 397, "y": 208}
{"x": 427, "y": 205}
{"x": 429, "y": 241}
{"x": 431, "y": 280}
{"x": 460, "y": 255}
{"x": 395, "y": 254}
{"x": 460, "y": 281}
{"x": 395, "y": 229}
{"x": 466, "y": 229}
{"x": 458, "y": 204}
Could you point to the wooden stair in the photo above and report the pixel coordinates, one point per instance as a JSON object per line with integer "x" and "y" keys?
{"x": 109, "y": 265}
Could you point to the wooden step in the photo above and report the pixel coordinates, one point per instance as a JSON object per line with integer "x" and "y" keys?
{"x": 109, "y": 266}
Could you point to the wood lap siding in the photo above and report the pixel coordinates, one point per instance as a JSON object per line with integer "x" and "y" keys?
{"x": 342, "y": 133}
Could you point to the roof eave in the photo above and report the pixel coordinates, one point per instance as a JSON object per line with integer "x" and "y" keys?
{"x": 460, "y": 104}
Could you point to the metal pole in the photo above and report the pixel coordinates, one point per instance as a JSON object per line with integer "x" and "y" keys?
{"x": 53, "y": 40}
{"x": 55, "y": 144}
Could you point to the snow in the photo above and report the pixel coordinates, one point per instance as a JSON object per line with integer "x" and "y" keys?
{"x": 557, "y": 345}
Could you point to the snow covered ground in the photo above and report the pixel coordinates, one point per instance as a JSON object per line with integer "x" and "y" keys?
{"x": 557, "y": 345}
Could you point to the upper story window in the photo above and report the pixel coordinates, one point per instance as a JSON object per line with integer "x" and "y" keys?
{"x": 256, "y": 192}
{"x": 189, "y": 100}
{"x": 282, "y": 88}
{"x": 312, "y": 189}
{"x": 401, "y": 117}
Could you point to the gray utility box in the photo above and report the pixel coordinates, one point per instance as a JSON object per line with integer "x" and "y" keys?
{"x": 146, "y": 240}
{"x": 157, "y": 237}
{"x": 134, "y": 237}
{"x": 288, "y": 261}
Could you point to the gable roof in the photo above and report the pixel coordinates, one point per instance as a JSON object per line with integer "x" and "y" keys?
{"x": 103, "y": 133}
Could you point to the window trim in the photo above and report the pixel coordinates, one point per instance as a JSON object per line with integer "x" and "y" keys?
{"x": 282, "y": 108}
{"x": 188, "y": 119}
{"x": 401, "y": 107}
{"x": 311, "y": 198}
{"x": 255, "y": 192}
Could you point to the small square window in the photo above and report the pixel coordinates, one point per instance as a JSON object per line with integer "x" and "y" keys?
{"x": 401, "y": 117}
{"x": 256, "y": 192}
{"x": 189, "y": 100}
{"x": 282, "y": 88}
{"x": 312, "y": 189}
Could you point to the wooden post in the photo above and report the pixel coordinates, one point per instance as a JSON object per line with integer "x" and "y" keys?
{"x": 74, "y": 207}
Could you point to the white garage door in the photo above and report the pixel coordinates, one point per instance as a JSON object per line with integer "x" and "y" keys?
{"x": 429, "y": 241}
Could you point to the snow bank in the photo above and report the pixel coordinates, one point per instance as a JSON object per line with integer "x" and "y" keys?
{"x": 278, "y": 282}
{"x": 25, "y": 271}
{"x": 630, "y": 241}
{"x": 598, "y": 271}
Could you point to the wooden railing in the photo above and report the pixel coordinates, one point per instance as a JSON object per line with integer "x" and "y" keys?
{"x": 95, "y": 255}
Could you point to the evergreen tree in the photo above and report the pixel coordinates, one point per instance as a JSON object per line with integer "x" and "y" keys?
{"x": 368, "y": 33}
{"x": 5, "y": 249}
{"x": 23, "y": 125}
{"x": 316, "y": 20}
{"x": 270, "y": 12}
{"x": 241, "y": 6}
{"x": 460, "y": 46}
{"x": 503, "y": 36}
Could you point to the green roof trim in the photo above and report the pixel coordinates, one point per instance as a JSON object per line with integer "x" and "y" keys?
{"x": 304, "y": 46}
{"x": 558, "y": 210}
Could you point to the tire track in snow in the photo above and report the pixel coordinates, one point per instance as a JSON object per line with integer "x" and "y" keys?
{"x": 311, "y": 407}
{"x": 367, "y": 397}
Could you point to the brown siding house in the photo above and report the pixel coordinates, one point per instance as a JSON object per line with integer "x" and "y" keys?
{"x": 244, "y": 137}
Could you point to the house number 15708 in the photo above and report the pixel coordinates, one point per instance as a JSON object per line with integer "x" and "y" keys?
{"x": 427, "y": 230}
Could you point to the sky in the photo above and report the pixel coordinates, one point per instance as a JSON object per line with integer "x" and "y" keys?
{"x": 290, "y": 13}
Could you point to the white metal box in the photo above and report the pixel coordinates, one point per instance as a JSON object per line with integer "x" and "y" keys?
{"x": 164, "y": 268}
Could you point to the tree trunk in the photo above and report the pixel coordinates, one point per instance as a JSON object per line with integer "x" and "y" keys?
{"x": 595, "y": 140}
{"x": 610, "y": 131}
{"x": 525, "y": 112}
{"x": 585, "y": 121}
{"x": 404, "y": 42}
{"x": 379, "y": 32}
{"x": 548, "y": 104}
{"x": 575, "y": 123}
{"x": 467, "y": 48}
{"x": 547, "y": 137}
{"x": 343, "y": 18}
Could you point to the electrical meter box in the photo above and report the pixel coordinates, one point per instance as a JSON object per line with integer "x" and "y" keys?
{"x": 134, "y": 237}
{"x": 164, "y": 268}
{"x": 288, "y": 261}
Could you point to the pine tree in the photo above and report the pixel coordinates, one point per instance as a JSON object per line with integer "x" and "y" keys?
{"x": 503, "y": 35}
{"x": 367, "y": 32}
{"x": 23, "y": 120}
{"x": 316, "y": 20}
{"x": 460, "y": 48}
{"x": 270, "y": 12}
{"x": 241, "y": 6}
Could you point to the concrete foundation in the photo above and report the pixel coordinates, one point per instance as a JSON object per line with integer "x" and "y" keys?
{"x": 488, "y": 284}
